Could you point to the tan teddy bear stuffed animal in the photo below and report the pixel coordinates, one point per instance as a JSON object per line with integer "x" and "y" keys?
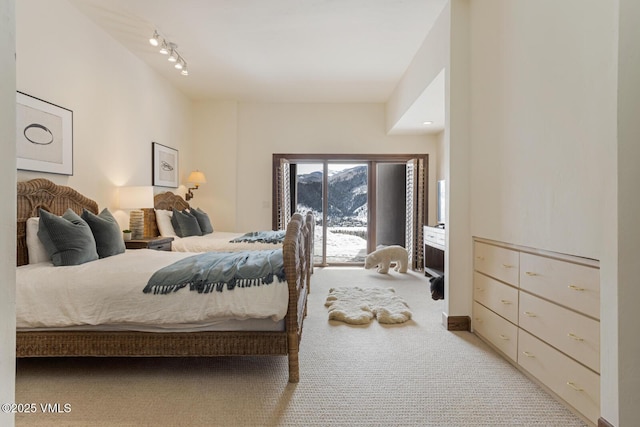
{"x": 383, "y": 258}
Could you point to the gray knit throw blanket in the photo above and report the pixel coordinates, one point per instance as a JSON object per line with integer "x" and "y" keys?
{"x": 213, "y": 270}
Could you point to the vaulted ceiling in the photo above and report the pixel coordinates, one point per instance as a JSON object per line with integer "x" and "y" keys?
{"x": 275, "y": 50}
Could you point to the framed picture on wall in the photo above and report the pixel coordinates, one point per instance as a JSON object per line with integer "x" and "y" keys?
{"x": 165, "y": 165}
{"x": 44, "y": 136}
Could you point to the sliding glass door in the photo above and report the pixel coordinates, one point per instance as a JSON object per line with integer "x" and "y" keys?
{"x": 347, "y": 212}
{"x": 337, "y": 195}
{"x": 360, "y": 202}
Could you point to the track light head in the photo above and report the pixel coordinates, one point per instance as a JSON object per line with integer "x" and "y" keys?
{"x": 155, "y": 39}
{"x": 164, "y": 48}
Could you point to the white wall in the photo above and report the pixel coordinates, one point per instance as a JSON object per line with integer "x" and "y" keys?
{"x": 120, "y": 106}
{"x": 447, "y": 47}
{"x": 264, "y": 129}
{"x": 430, "y": 59}
{"x": 544, "y": 144}
{"x": 628, "y": 202}
{"x": 543, "y": 123}
{"x": 8, "y": 195}
{"x": 457, "y": 144}
{"x": 215, "y": 153}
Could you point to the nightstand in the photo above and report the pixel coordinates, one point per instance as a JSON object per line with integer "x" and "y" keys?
{"x": 157, "y": 243}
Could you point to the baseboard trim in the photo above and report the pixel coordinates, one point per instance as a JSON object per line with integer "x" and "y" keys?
{"x": 456, "y": 323}
{"x": 604, "y": 423}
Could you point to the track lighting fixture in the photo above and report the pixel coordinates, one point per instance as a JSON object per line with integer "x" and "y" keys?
{"x": 171, "y": 49}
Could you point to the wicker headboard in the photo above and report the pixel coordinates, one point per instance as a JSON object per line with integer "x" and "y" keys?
{"x": 42, "y": 193}
{"x": 168, "y": 201}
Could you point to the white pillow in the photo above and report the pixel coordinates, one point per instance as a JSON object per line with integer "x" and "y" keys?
{"x": 163, "y": 220}
{"x": 35, "y": 248}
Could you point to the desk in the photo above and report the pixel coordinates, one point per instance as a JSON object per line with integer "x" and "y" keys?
{"x": 434, "y": 248}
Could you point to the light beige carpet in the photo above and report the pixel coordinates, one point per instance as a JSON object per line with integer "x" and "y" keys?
{"x": 358, "y": 306}
{"x": 412, "y": 374}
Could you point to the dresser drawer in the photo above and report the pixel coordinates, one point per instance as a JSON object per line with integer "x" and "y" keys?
{"x": 497, "y": 262}
{"x": 434, "y": 236}
{"x": 500, "y": 298}
{"x": 498, "y": 331}
{"x": 572, "y": 333}
{"x": 572, "y": 285}
{"x": 574, "y": 383}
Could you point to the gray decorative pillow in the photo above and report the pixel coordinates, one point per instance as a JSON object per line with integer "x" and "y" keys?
{"x": 67, "y": 239}
{"x": 203, "y": 220}
{"x": 185, "y": 224}
{"x": 106, "y": 232}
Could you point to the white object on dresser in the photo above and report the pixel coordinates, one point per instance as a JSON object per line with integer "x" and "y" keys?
{"x": 541, "y": 310}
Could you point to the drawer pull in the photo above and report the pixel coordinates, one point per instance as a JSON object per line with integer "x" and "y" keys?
{"x": 575, "y": 337}
{"x": 530, "y": 314}
{"x": 504, "y": 337}
{"x": 530, "y": 273}
{"x": 575, "y": 288}
{"x": 505, "y": 301}
{"x": 574, "y": 386}
{"x": 481, "y": 258}
{"x": 480, "y": 289}
{"x": 526, "y": 353}
{"x": 508, "y": 266}
{"x": 479, "y": 320}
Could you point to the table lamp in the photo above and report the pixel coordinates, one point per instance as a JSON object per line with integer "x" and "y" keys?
{"x": 136, "y": 198}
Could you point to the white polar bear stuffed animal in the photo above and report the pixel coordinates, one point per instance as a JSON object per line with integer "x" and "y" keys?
{"x": 384, "y": 256}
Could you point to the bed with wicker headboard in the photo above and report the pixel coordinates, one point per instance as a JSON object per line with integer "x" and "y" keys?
{"x": 167, "y": 201}
{"x": 41, "y": 193}
{"x": 216, "y": 240}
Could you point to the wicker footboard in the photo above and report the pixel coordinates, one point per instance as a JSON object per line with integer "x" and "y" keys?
{"x": 100, "y": 343}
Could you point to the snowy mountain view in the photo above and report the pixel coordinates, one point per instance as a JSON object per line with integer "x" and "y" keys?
{"x": 346, "y": 214}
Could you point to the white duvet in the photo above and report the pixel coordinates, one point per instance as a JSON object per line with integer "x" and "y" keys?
{"x": 109, "y": 292}
{"x": 218, "y": 241}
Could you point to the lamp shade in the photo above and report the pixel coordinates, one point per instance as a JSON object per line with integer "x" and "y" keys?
{"x": 197, "y": 177}
{"x": 136, "y": 197}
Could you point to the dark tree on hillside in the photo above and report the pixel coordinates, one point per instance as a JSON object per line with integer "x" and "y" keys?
{"x": 310, "y": 194}
{"x": 347, "y": 191}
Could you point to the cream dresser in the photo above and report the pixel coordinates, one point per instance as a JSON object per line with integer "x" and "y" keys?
{"x": 541, "y": 310}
